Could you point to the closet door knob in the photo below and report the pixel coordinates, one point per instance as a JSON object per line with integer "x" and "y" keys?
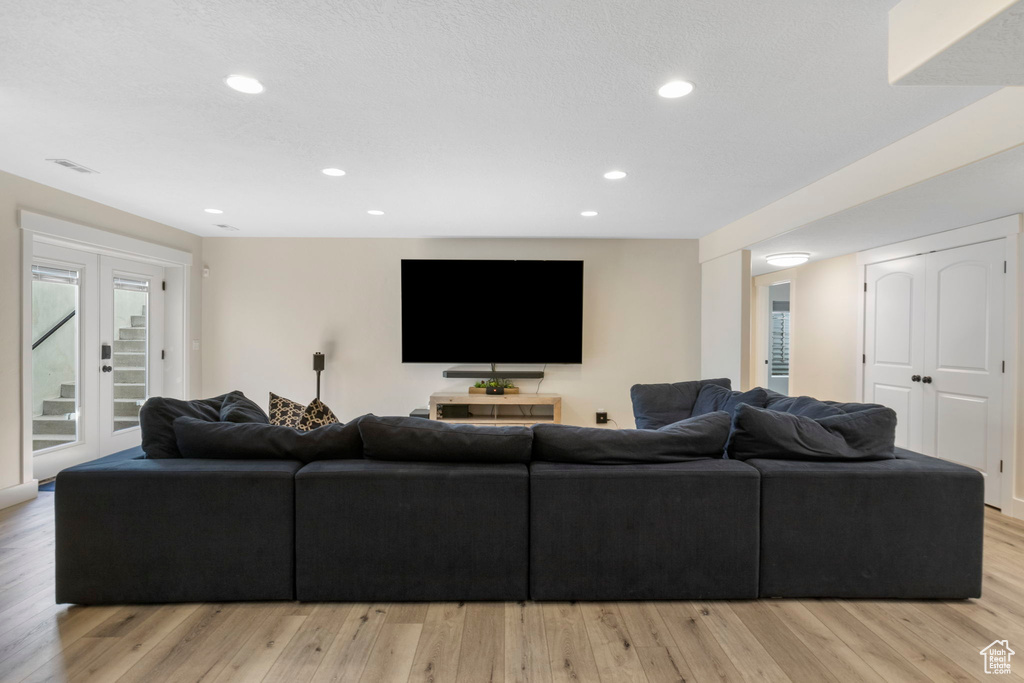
{"x": 926, "y": 379}
{"x": 915, "y": 378}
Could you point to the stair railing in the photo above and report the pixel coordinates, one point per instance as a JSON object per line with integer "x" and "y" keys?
{"x": 53, "y": 329}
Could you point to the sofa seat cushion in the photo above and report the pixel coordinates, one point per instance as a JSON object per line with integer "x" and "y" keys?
{"x": 678, "y": 531}
{"x": 657, "y": 405}
{"x": 253, "y": 441}
{"x": 762, "y": 433}
{"x": 713, "y": 398}
{"x": 398, "y": 531}
{"x": 175, "y": 530}
{"x": 907, "y": 527}
{"x": 413, "y": 439}
{"x": 694, "y": 438}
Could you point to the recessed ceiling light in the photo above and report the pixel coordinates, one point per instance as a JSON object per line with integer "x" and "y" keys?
{"x": 615, "y": 175}
{"x": 213, "y": 211}
{"x": 789, "y": 259}
{"x": 246, "y": 84}
{"x": 588, "y": 214}
{"x": 333, "y": 172}
{"x": 675, "y": 89}
{"x": 375, "y": 212}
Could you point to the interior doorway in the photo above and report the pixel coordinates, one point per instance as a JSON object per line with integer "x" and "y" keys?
{"x": 778, "y": 345}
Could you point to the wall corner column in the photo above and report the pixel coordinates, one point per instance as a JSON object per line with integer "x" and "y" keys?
{"x": 725, "y": 318}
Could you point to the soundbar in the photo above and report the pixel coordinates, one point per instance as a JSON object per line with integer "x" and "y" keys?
{"x": 485, "y": 373}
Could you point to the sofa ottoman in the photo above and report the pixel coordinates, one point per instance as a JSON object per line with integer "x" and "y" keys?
{"x": 678, "y": 531}
{"x": 411, "y": 531}
{"x": 175, "y": 530}
{"x": 909, "y": 527}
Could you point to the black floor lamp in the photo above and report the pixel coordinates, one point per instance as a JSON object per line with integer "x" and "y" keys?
{"x": 318, "y": 366}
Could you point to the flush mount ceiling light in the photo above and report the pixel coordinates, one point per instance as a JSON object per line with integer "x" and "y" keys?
{"x": 674, "y": 89}
{"x": 246, "y": 84}
{"x": 375, "y": 212}
{"x": 588, "y": 214}
{"x": 213, "y": 211}
{"x": 333, "y": 172}
{"x": 793, "y": 258}
{"x": 615, "y": 175}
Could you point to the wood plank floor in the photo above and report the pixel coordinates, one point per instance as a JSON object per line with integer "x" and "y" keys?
{"x": 769, "y": 640}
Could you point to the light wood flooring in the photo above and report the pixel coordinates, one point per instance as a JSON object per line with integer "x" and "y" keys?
{"x": 769, "y": 640}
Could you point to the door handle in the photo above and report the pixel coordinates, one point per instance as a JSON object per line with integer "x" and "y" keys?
{"x": 915, "y": 378}
{"x": 926, "y": 379}
{"x": 107, "y": 368}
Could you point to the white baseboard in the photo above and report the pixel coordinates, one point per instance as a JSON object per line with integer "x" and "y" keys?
{"x": 1016, "y": 508}
{"x": 13, "y": 495}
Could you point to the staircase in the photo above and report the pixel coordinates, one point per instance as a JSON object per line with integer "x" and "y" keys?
{"x": 58, "y": 424}
{"x": 129, "y": 373}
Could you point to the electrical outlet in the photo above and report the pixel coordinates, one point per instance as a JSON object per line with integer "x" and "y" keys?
{"x": 602, "y": 417}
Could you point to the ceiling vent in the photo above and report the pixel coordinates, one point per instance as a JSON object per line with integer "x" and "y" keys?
{"x": 67, "y": 163}
{"x": 224, "y": 226}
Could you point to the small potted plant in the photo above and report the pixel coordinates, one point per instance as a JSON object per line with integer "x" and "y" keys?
{"x": 494, "y": 386}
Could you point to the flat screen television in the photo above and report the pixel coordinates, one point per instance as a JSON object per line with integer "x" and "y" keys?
{"x": 477, "y": 311}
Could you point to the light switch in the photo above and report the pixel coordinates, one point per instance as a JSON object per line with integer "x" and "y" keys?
{"x": 195, "y": 344}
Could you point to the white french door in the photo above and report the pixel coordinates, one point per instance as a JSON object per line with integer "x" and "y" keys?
{"x": 65, "y": 334}
{"x": 97, "y": 342}
{"x": 934, "y": 353}
{"x": 131, "y": 345}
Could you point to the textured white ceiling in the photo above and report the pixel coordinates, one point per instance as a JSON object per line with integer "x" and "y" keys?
{"x": 992, "y": 54}
{"x": 984, "y": 190}
{"x": 456, "y": 117}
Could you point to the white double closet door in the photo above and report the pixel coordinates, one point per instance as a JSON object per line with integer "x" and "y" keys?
{"x": 933, "y": 341}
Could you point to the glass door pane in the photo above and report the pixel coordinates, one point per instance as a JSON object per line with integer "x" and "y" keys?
{"x": 55, "y": 356}
{"x": 130, "y": 353}
{"x": 131, "y": 344}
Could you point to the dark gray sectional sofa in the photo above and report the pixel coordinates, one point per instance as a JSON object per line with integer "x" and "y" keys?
{"x": 418, "y": 511}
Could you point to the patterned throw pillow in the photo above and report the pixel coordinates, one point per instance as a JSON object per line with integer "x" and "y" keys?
{"x": 285, "y": 412}
{"x": 316, "y": 415}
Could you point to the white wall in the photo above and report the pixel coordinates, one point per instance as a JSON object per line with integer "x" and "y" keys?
{"x": 725, "y": 318}
{"x": 18, "y": 193}
{"x": 269, "y": 304}
{"x": 823, "y": 327}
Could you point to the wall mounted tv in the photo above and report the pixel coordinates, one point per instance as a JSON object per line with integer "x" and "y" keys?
{"x": 476, "y": 311}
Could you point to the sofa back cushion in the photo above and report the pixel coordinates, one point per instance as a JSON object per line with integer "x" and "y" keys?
{"x": 657, "y": 405}
{"x": 713, "y": 398}
{"x": 695, "y": 438}
{"x": 868, "y": 434}
{"x": 261, "y": 441}
{"x": 413, "y": 439}
{"x": 812, "y": 407}
{"x": 237, "y": 408}
{"x": 804, "y": 406}
{"x": 157, "y": 415}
